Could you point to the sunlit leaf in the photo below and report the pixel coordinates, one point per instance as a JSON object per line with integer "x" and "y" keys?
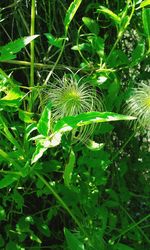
{"x": 25, "y": 116}
{"x": 145, "y": 3}
{"x": 68, "y": 123}
{"x": 110, "y": 14}
{"x": 71, "y": 12}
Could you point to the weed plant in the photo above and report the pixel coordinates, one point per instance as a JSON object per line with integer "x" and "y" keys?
{"x": 74, "y": 125}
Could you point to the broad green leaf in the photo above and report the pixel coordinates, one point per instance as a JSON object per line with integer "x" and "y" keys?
{"x": 9, "y": 50}
{"x": 146, "y": 23}
{"x": 25, "y": 116}
{"x": 44, "y": 123}
{"x": 145, "y": 3}
{"x": 138, "y": 53}
{"x": 94, "y": 146}
{"x": 71, "y": 12}
{"x": 72, "y": 241}
{"x": 110, "y": 14}
{"x": 69, "y": 169}
{"x": 8, "y": 180}
{"x": 68, "y": 123}
{"x": 91, "y": 24}
{"x": 57, "y": 42}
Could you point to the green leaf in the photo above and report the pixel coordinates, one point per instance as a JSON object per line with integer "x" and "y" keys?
{"x": 9, "y": 50}
{"x": 69, "y": 169}
{"x": 72, "y": 241}
{"x": 35, "y": 238}
{"x": 91, "y": 24}
{"x": 13, "y": 97}
{"x": 70, "y": 13}
{"x": 44, "y": 143}
{"x": 40, "y": 149}
{"x": 110, "y": 14}
{"x": 8, "y": 180}
{"x": 98, "y": 45}
{"x": 138, "y": 53}
{"x": 146, "y": 23}
{"x": 118, "y": 58}
{"x": 44, "y": 123}
{"x": 25, "y": 116}
{"x": 57, "y": 42}
{"x": 145, "y": 3}
{"x": 68, "y": 123}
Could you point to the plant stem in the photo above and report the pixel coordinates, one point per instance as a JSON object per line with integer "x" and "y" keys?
{"x": 32, "y": 32}
{"x": 61, "y": 202}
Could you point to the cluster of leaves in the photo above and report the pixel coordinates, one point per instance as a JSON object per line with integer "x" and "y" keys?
{"x": 55, "y": 194}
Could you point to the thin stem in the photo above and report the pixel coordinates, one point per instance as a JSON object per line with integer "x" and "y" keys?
{"x": 131, "y": 227}
{"x": 62, "y": 203}
{"x": 32, "y": 32}
{"x": 55, "y": 64}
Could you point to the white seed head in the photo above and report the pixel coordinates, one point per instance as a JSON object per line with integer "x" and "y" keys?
{"x": 69, "y": 97}
{"x": 138, "y": 105}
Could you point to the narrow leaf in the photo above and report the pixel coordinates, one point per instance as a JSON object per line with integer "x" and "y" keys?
{"x": 69, "y": 169}
{"x": 110, "y": 14}
{"x": 72, "y": 241}
{"x": 71, "y": 12}
{"x": 44, "y": 124}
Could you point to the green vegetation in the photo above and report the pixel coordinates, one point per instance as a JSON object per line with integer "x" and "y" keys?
{"x": 74, "y": 125}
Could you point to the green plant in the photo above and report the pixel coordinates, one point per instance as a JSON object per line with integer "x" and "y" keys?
{"x": 89, "y": 62}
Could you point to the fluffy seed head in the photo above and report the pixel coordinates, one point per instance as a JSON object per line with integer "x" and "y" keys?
{"x": 69, "y": 97}
{"x": 139, "y": 105}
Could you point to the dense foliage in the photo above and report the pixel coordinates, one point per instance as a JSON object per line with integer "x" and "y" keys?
{"x": 74, "y": 124}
